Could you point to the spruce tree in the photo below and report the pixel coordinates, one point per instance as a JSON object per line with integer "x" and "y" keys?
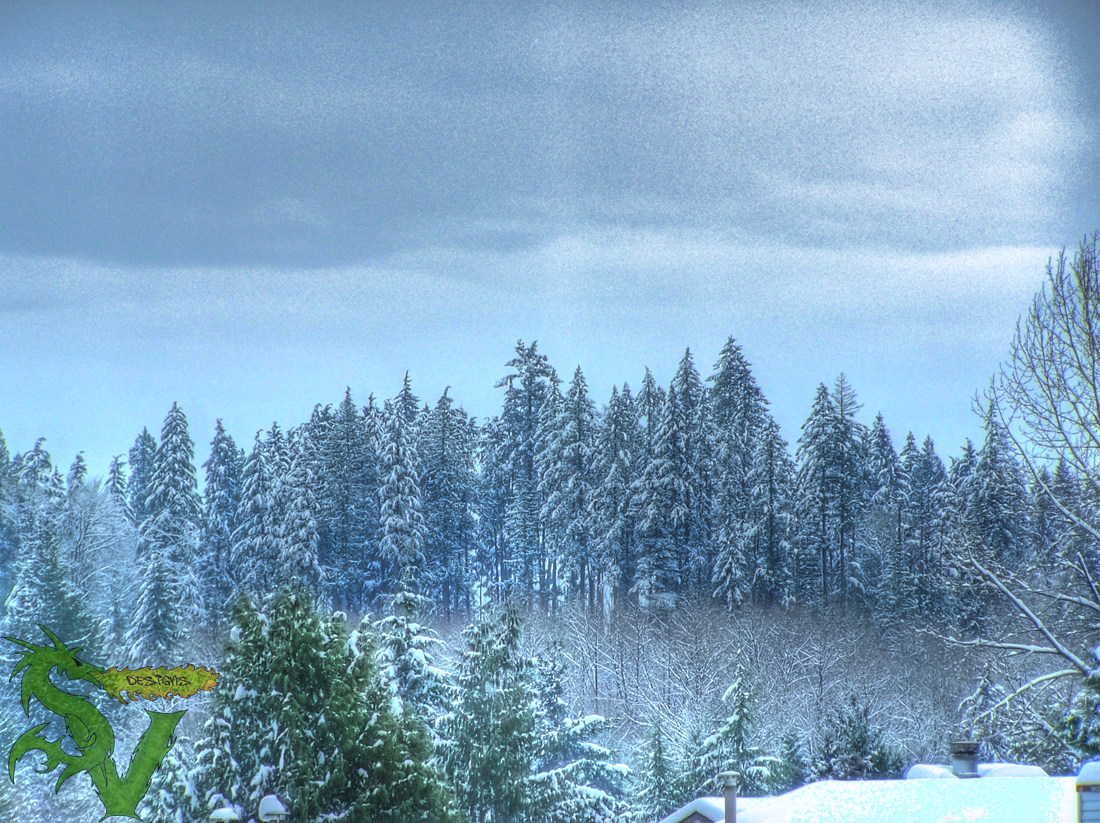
{"x": 256, "y": 540}
{"x": 490, "y": 740}
{"x": 450, "y": 496}
{"x": 656, "y": 795}
{"x": 615, "y": 460}
{"x": 402, "y": 534}
{"x": 816, "y": 493}
{"x": 526, "y": 389}
{"x": 567, "y": 486}
{"x": 219, "y": 521}
{"x": 142, "y": 457}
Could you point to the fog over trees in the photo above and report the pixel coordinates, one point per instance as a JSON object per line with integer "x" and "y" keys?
{"x": 584, "y": 608}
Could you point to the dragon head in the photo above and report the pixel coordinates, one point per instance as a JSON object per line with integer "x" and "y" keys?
{"x": 58, "y": 656}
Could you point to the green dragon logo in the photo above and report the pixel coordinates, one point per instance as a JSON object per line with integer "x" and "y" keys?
{"x": 90, "y": 730}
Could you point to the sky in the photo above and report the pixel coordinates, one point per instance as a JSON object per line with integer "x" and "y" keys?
{"x": 247, "y": 210}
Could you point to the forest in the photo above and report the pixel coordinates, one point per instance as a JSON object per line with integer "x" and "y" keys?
{"x": 580, "y": 610}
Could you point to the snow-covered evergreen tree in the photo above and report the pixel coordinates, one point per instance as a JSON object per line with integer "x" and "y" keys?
{"x": 450, "y": 496}
{"x": 614, "y": 462}
{"x": 662, "y": 499}
{"x": 851, "y": 746}
{"x": 402, "y": 531}
{"x": 490, "y": 738}
{"x": 526, "y": 388}
{"x": 221, "y": 501}
{"x": 575, "y": 779}
{"x": 731, "y": 747}
{"x": 299, "y": 537}
{"x": 656, "y": 794}
{"x": 816, "y": 492}
{"x": 142, "y": 457}
{"x": 256, "y": 539}
{"x": 567, "y": 485}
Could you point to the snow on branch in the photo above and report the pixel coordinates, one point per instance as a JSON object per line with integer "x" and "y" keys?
{"x": 993, "y": 580}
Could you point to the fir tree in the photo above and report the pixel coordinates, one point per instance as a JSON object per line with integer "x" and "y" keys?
{"x": 618, "y": 442}
{"x": 449, "y": 488}
{"x": 656, "y": 795}
{"x": 490, "y": 739}
{"x": 662, "y": 498}
{"x": 142, "y": 457}
{"x": 852, "y": 747}
{"x": 527, "y": 388}
{"x": 402, "y": 537}
{"x": 574, "y": 779}
{"x": 255, "y": 540}
{"x": 221, "y": 501}
{"x": 816, "y": 490}
{"x": 299, "y": 538}
{"x": 349, "y": 505}
{"x": 567, "y": 486}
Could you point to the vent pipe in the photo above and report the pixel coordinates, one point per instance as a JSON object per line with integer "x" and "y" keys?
{"x": 964, "y": 758}
{"x": 729, "y": 795}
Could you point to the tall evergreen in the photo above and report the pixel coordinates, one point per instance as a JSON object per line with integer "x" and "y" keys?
{"x": 400, "y": 507}
{"x": 738, "y": 411}
{"x": 770, "y": 516}
{"x": 614, "y": 466}
{"x": 299, "y": 538}
{"x": 526, "y": 388}
{"x": 662, "y": 499}
{"x": 142, "y": 457}
{"x": 656, "y": 795}
{"x": 697, "y": 473}
{"x": 816, "y": 492}
{"x": 348, "y": 498}
{"x": 256, "y": 539}
{"x": 490, "y": 736}
{"x": 168, "y": 603}
{"x": 449, "y": 489}
{"x": 567, "y": 486}
{"x": 221, "y": 501}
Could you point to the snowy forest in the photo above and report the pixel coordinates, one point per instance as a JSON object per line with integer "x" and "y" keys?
{"x": 580, "y": 609}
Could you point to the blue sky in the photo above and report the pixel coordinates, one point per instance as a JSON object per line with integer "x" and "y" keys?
{"x": 247, "y": 211}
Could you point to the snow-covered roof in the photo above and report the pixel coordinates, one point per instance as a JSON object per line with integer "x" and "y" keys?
{"x": 713, "y": 808}
{"x": 984, "y": 800}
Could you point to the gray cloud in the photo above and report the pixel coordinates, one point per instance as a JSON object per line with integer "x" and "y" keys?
{"x": 312, "y": 140}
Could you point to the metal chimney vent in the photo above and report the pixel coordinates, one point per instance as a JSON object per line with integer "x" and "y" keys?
{"x": 964, "y": 758}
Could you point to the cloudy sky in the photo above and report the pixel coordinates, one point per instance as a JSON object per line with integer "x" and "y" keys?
{"x": 246, "y": 212}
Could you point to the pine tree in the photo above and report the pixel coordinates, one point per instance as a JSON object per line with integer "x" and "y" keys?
{"x": 299, "y": 537}
{"x": 142, "y": 457}
{"x": 614, "y": 462}
{"x": 255, "y": 540}
{"x": 449, "y": 490}
{"x": 219, "y": 521}
{"x": 567, "y": 485}
{"x": 852, "y": 747}
{"x": 168, "y": 601}
{"x": 662, "y": 497}
{"x": 489, "y": 737}
{"x": 731, "y": 747}
{"x": 739, "y": 411}
{"x": 816, "y": 492}
{"x": 527, "y": 388}
{"x": 847, "y": 460}
{"x": 574, "y": 779}
{"x": 655, "y": 796}
{"x": 349, "y": 505}
{"x": 770, "y": 523}
{"x": 698, "y": 473}
{"x": 402, "y": 532}
{"x": 995, "y": 509}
